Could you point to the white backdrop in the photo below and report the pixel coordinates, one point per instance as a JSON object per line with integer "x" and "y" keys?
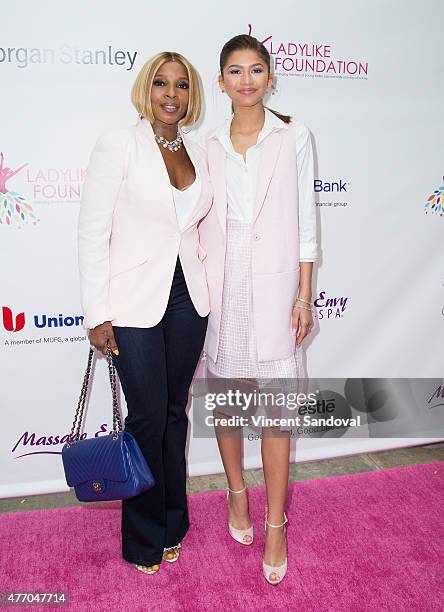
{"x": 373, "y": 101}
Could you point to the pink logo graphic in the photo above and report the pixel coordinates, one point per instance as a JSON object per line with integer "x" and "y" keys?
{"x": 435, "y": 203}
{"x": 296, "y": 58}
{"x": 250, "y": 29}
{"x": 8, "y": 320}
{"x": 14, "y": 211}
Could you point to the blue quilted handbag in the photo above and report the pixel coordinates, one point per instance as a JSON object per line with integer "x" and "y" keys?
{"x": 108, "y": 467}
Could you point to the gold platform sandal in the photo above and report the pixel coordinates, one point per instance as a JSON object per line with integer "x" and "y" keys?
{"x": 147, "y": 569}
{"x": 171, "y": 554}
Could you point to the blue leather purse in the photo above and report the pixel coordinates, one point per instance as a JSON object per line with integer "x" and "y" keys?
{"x": 109, "y": 467}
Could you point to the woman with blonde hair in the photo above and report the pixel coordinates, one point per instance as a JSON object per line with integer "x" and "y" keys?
{"x": 143, "y": 287}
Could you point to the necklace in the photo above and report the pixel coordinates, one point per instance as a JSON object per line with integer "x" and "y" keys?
{"x": 171, "y": 145}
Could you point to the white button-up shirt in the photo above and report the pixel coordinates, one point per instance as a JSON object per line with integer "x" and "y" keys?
{"x": 242, "y": 175}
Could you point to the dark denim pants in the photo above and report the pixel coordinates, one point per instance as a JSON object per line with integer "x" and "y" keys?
{"x": 156, "y": 367}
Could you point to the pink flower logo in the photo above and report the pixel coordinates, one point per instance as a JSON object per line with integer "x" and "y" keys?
{"x": 435, "y": 203}
{"x": 14, "y": 211}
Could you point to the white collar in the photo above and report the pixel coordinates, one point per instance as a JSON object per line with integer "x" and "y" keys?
{"x": 271, "y": 123}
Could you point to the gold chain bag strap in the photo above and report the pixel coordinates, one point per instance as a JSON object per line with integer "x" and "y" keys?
{"x": 106, "y": 467}
{"x": 80, "y": 412}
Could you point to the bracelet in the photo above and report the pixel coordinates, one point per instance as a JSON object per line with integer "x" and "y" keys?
{"x": 303, "y": 307}
{"x": 305, "y": 301}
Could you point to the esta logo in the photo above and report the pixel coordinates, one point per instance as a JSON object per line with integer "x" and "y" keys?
{"x": 16, "y": 324}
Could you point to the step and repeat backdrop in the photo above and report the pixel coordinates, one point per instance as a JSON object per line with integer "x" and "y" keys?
{"x": 366, "y": 78}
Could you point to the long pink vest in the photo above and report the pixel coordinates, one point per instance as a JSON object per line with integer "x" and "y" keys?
{"x": 275, "y": 258}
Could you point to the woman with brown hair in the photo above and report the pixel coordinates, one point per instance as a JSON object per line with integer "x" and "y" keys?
{"x": 260, "y": 239}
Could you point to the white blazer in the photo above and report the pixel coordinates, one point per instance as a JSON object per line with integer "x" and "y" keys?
{"x": 128, "y": 234}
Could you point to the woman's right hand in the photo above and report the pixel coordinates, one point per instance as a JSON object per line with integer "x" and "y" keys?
{"x": 102, "y": 337}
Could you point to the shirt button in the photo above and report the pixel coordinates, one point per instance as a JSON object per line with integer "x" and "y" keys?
{"x": 257, "y": 237}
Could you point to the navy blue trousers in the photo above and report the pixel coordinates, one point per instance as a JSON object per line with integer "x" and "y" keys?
{"x": 156, "y": 366}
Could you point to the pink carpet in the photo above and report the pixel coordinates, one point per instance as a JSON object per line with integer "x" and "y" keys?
{"x": 371, "y": 541}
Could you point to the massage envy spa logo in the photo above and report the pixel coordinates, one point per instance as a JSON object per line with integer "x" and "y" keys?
{"x": 33, "y": 443}
{"x": 25, "y": 57}
{"x": 330, "y": 306}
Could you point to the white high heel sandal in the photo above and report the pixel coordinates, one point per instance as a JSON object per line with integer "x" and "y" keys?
{"x": 279, "y": 570}
{"x": 238, "y": 534}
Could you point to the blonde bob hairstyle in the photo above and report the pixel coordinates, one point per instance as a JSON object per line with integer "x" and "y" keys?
{"x": 141, "y": 91}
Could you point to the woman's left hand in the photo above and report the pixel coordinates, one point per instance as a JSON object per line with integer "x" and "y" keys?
{"x": 301, "y": 323}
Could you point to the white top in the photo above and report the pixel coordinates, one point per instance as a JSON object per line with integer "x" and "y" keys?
{"x": 185, "y": 200}
{"x": 241, "y": 177}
